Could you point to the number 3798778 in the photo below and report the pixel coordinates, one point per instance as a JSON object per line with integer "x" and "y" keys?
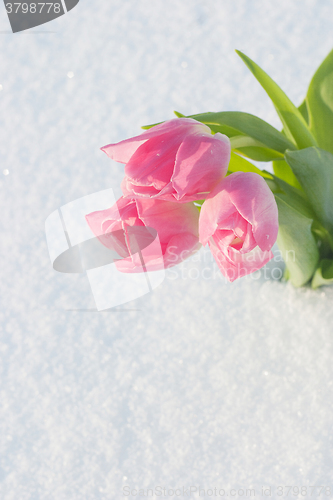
{"x": 33, "y": 8}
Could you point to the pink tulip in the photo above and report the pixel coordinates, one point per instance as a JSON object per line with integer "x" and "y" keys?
{"x": 179, "y": 160}
{"x": 239, "y": 221}
{"x": 130, "y": 227}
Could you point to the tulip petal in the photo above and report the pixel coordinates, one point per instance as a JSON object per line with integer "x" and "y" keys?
{"x": 235, "y": 220}
{"x": 179, "y": 161}
{"x": 168, "y": 218}
{"x": 149, "y": 234}
{"x": 108, "y": 226}
{"x": 234, "y": 264}
{"x": 180, "y": 247}
{"x": 153, "y": 162}
{"x": 215, "y": 213}
{"x": 201, "y": 162}
{"x": 255, "y": 202}
{"x": 96, "y": 219}
{"x": 249, "y": 240}
{"x": 223, "y": 238}
{"x": 146, "y": 259}
{"x": 122, "y": 151}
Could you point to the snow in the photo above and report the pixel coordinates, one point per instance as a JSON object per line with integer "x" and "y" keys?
{"x": 201, "y": 382}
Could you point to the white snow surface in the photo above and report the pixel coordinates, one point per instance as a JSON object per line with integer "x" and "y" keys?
{"x": 201, "y": 382}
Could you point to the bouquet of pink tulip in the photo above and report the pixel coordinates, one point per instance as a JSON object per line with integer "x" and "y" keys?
{"x": 190, "y": 179}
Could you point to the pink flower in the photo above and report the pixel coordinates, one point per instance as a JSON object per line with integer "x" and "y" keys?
{"x": 130, "y": 227}
{"x": 179, "y": 160}
{"x": 239, "y": 221}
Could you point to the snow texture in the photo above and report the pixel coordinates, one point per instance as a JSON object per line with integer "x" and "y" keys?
{"x": 200, "y": 382}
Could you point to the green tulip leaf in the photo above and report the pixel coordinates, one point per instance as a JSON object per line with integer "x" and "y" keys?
{"x": 296, "y": 242}
{"x": 324, "y": 274}
{"x": 294, "y": 124}
{"x": 179, "y": 115}
{"x": 260, "y": 153}
{"x": 239, "y": 164}
{"x": 282, "y": 170}
{"x": 303, "y": 109}
{"x": 248, "y": 125}
{"x": 251, "y": 148}
{"x": 320, "y": 104}
{"x": 313, "y": 168}
{"x": 324, "y": 238}
{"x": 293, "y": 197}
{"x": 257, "y": 139}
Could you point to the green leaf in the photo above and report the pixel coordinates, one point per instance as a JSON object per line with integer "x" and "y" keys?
{"x": 281, "y": 168}
{"x": 248, "y": 125}
{"x": 179, "y": 115}
{"x": 324, "y": 238}
{"x": 293, "y": 122}
{"x": 239, "y": 164}
{"x": 256, "y": 138}
{"x": 324, "y": 274}
{"x": 296, "y": 243}
{"x": 303, "y": 109}
{"x": 293, "y": 197}
{"x": 247, "y": 146}
{"x": 146, "y": 127}
{"x": 283, "y": 171}
{"x": 313, "y": 168}
{"x": 260, "y": 153}
{"x": 320, "y": 104}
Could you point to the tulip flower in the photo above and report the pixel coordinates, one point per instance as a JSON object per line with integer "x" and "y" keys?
{"x": 239, "y": 221}
{"x": 179, "y": 160}
{"x": 130, "y": 227}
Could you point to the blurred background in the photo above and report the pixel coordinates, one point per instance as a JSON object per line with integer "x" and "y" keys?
{"x": 201, "y": 382}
